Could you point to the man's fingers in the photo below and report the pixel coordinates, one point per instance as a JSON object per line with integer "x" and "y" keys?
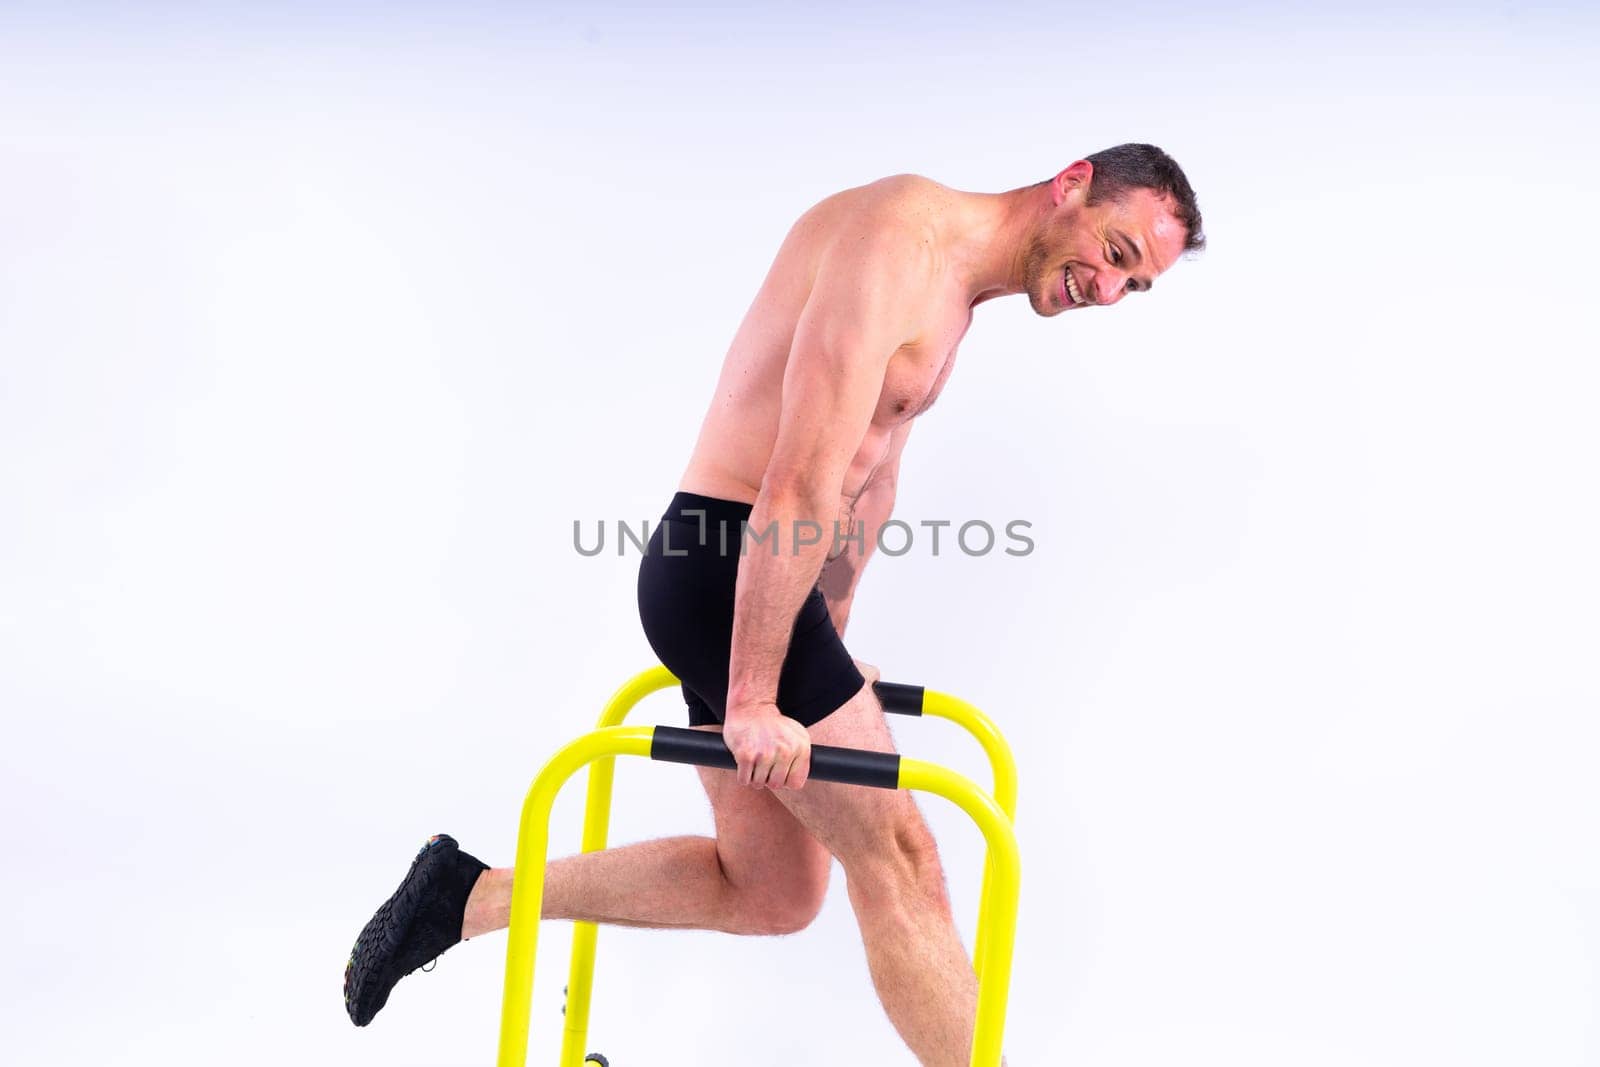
{"x": 781, "y": 760}
{"x": 795, "y": 770}
{"x": 780, "y": 774}
{"x": 752, "y": 770}
{"x": 763, "y": 771}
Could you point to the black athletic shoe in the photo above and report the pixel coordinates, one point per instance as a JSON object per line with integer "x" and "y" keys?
{"x": 415, "y": 925}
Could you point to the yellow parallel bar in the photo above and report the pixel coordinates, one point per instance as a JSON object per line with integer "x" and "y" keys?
{"x": 527, "y": 887}
{"x": 596, "y": 826}
{"x": 945, "y": 706}
{"x": 997, "y": 919}
{"x": 634, "y": 690}
{"x": 597, "y": 814}
{"x": 1004, "y": 765}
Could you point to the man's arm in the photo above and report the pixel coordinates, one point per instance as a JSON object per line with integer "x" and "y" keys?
{"x": 842, "y": 573}
{"x": 864, "y": 304}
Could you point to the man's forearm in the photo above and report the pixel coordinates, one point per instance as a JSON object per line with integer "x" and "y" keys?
{"x": 777, "y": 570}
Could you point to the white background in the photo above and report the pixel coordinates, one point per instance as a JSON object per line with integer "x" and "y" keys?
{"x": 318, "y": 329}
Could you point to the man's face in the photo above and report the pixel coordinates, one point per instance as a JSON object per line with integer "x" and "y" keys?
{"x": 1084, "y": 255}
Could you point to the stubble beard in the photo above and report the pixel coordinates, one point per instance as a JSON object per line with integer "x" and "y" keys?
{"x": 1035, "y": 265}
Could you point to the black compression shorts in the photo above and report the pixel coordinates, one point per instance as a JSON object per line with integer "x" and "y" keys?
{"x": 686, "y": 586}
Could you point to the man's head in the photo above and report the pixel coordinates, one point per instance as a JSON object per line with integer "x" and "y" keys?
{"x": 1112, "y": 222}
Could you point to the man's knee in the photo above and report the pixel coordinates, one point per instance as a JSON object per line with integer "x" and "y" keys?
{"x": 785, "y": 908}
{"x": 903, "y": 869}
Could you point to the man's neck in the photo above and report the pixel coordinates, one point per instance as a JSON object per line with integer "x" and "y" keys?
{"x": 988, "y": 240}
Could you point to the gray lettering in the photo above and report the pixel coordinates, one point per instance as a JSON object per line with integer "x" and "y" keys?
{"x": 577, "y": 541}
{"x": 884, "y": 528}
{"x": 806, "y": 542}
{"x": 624, "y": 533}
{"x": 1011, "y": 532}
{"x": 702, "y": 514}
{"x": 749, "y": 535}
{"x": 858, "y": 537}
{"x": 961, "y": 537}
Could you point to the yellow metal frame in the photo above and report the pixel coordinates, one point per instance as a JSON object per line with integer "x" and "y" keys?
{"x": 996, "y": 933}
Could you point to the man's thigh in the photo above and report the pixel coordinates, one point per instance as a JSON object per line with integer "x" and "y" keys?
{"x": 855, "y": 822}
{"x": 759, "y": 841}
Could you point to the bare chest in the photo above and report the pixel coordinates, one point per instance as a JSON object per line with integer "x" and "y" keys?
{"x": 917, "y": 374}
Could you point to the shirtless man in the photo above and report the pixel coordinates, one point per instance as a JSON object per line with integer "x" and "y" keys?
{"x": 851, "y": 337}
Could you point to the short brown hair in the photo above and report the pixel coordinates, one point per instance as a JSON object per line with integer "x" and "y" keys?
{"x": 1144, "y": 166}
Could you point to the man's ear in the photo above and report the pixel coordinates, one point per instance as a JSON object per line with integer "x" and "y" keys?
{"x": 1076, "y": 176}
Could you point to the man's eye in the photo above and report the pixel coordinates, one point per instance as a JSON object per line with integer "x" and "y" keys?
{"x": 1116, "y": 254}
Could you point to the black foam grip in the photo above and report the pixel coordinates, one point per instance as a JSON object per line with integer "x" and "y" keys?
{"x": 852, "y": 766}
{"x": 899, "y": 699}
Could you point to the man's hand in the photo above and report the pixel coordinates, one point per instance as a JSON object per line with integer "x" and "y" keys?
{"x": 771, "y": 749}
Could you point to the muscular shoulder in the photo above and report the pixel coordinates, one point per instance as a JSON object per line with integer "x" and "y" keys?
{"x": 897, "y": 207}
{"x": 884, "y": 226}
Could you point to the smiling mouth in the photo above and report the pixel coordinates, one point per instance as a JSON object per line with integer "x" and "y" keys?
{"x": 1071, "y": 287}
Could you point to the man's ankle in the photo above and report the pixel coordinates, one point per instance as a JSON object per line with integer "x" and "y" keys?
{"x": 488, "y": 905}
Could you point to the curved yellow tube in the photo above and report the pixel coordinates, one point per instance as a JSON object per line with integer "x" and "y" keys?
{"x": 634, "y": 690}
{"x": 1004, "y": 766}
{"x": 527, "y": 887}
{"x": 997, "y": 918}
{"x": 596, "y": 826}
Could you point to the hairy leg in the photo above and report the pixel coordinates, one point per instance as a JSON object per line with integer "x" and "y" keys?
{"x": 762, "y": 874}
{"x": 670, "y": 882}
{"x": 919, "y": 967}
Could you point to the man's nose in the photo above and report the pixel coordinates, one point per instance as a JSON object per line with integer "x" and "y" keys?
{"x": 1109, "y": 286}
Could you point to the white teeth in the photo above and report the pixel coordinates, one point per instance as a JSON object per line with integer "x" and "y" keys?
{"x": 1072, "y": 289}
